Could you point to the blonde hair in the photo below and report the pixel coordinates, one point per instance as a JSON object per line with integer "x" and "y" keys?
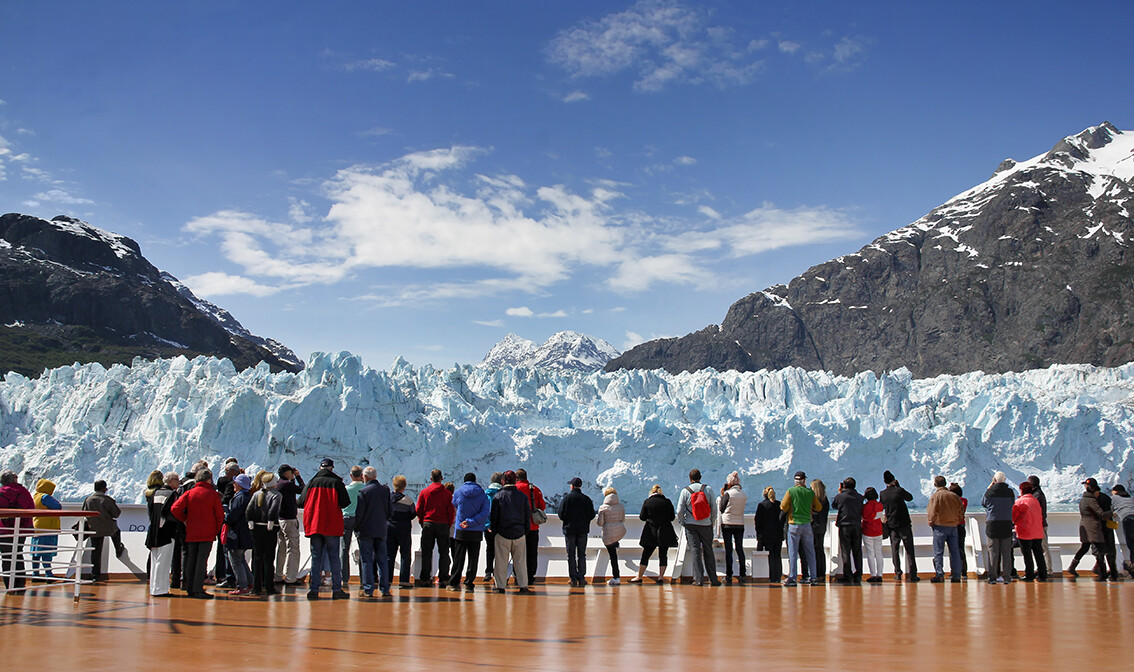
{"x": 258, "y": 482}
{"x": 609, "y": 491}
{"x": 399, "y": 483}
{"x": 655, "y": 490}
{"x": 819, "y": 489}
{"x": 770, "y": 493}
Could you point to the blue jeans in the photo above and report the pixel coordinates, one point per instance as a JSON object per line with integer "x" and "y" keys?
{"x": 576, "y": 556}
{"x": 371, "y": 554}
{"x": 799, "y": 539}
{"x": 324, "y": 548}
{"x": 946, "y": 535}
{"x": 239, "y": 566}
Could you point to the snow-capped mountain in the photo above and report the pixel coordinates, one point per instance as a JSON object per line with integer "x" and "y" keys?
{"x": 1030, "y": 268}
{"x": 630, "y": 429}
{"x": 564, "y": 351}
{"x": 76, "y": 293}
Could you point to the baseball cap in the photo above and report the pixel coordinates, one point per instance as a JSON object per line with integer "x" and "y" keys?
{"x": 327, "y": 463}
{"x": 576, "y": 482}
{"x": 1091, "y": 482}
{"x": 800, "y": 476}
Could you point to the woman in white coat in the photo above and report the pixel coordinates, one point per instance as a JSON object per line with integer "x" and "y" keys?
{"x": 612, "y": 520}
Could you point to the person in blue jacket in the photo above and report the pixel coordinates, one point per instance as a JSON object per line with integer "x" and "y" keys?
{"x": 238, "y": 540}
{"x": 473, "y": 507}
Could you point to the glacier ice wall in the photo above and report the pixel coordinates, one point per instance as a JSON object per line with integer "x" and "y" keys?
{"x": 629, "y": 429}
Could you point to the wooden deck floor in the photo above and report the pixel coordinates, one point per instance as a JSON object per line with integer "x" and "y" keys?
{"x": 1054, "y": 626}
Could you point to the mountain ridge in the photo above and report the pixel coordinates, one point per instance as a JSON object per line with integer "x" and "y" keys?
{"x": 1029, "y": 268}
{"x": 564, "y": 350}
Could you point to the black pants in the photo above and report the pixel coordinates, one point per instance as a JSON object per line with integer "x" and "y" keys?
{"x": 344, "y": 550}
{"x": 663, "y": 555}
{"x": 898, "y": 537}
{"x": 221, "y": 570}
{"x": 263, "y": 559}
{"x": 177, "y": 567}
{"x": 399, "y": 540}
{"x": 533, "y": 554}
{"x": 12, "y": 547}
{"x": 850, "y": 548}
{"x": 489, "y": 553}
{"x": 466, "y": 548}
{"x": 1033, "y": 548}
{"x": 733, "y": 539}
{"x": 964, "y": 555}
{"x": 818, "y": 535}
{"x": 434, "y": 534}
{"x": 98, "y": 570}
{"x": 612, "y": 551}
{"x": 775, "y": 559}
{"x": 197, "y": 565}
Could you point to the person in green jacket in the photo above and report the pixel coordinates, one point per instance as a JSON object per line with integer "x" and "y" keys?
{"x": 800, "y": 503}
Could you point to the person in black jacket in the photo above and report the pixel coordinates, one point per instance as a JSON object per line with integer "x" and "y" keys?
{"x": 511, "y": 517}
{"x": 577, "y": 510}
{"x": 160, "y": 534}
{"x": 371, "y": 525}
{"x": 898, "y": 522}
{"x": 400, "y": 531}
{"x": 658, "y": 514}
{"x": 770, "y": 521}
{"x": 849, "y": 504}
{"x": 997, "y": 503}
{"x": 290, "y": 485}
{"x": 263, "y": 514}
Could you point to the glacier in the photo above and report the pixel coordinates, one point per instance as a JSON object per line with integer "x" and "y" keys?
{"x": 629, "y": 428}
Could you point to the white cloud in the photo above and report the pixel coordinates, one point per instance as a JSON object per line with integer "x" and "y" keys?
{"x": 489, "y": 323}
{"x": 376, "y": 132}
{"x": 522, "y": 311}
{"x": 61, "y": 196}
{"x": 427, "y": 74}
{"x": 708, "y": 212}
{"x": 789, "y": 47}
{"x": 661, "y": 41}
{"x": 369, "y": 65}
{"x": 685, "y": 161}
{"x": 221, "y": 284}
{"x": 576, "y": 97}
{"x": 495, "y": 234}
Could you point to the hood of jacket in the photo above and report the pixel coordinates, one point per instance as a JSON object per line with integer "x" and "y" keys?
{"x": 611, "y": 499}
{"x": 45, "y": 486}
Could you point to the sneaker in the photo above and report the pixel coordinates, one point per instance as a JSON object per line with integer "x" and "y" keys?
{"x": 312, "y": 594}
{"x": 340, "y": 595}
{"x": 240, "y": 591}
{"x": 613, "y": 582}
{"x": 470, "y": 588}
{"x": 790, "y": 583}
{"x": 913, "y": 578}
{"x": 937, "y": 579}
{"x": 1000, "y": 579}
{"x": 387, "y": 593}
{"x": 452, "y": 589}
{"x": 405, "y": 586}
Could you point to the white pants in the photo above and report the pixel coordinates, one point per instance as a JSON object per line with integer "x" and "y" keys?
{"x": 287, "y": 551}
{"x": 872, "y": 549}
{"x": 161, "y": 561}
{"x": 518, "y": 550}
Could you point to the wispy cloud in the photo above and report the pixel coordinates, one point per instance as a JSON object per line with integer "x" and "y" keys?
{"x": 429, "y": 210}
{"x": 490, "y": 323}
{"x": 662, "y": 42}
{"x": 667, "y": 42}
{"x": 369, "y": 65}
{"x": 61, "y": 196}
{"x": 221, "y": 284}
{"x": 576, "y": 96}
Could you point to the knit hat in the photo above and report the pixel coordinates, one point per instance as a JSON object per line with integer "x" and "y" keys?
{"x": 887, "y": 477}
{"x": 733, "y": 479}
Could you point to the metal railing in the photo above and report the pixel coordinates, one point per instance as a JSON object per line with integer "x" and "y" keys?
{"x": 30, "y": 555}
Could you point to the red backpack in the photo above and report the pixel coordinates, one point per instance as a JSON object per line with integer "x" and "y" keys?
{"x": 699, "y": 504}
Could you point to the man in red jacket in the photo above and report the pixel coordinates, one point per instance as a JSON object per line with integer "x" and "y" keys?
{"x": 323, "y": 500}
{"x": 535, "y": 498}
{"x": 200, "y": 509}
{"x": 435, "y": 512}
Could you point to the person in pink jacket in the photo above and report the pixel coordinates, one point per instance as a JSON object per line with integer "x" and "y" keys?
{"x": 1027, "y": 516}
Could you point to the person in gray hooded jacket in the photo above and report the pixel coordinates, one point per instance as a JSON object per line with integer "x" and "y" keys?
{"x": 997, "y": 502}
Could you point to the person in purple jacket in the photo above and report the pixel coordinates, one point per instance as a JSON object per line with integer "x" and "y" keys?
{"x": 14, "y": 496}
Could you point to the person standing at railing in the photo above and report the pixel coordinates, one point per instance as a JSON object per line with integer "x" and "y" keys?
{"x": 494, "y": 486}
{"x": 537, "y": 503}
{"x": 944, "y": 513}
{"x": 848, "y": 521}
{"x": 1123, "y": 508}
{"x": 770, "y": 522}
{"x": 263, "y": 513}
{"x": 612, "y": 519}
{"x": 238, "y": 538}
{"x": 899, "y": 526}
{"x": 872, "y": 528}
{"x": 435, "y": 514}
{"x": 819, "y": 530}
{"x": 576, "y": 510}
{"x": 800, "y": 504}
{"x": 956, "y": 489}
{"x": 731, "y": 504}
{"x": 104, "y": 525}
{"x": 1027, "y": 516}
{"x": 43, "y": 545}
{"x": 997, "y": 503}
{"x": 13, "y": 495}
{"x": 657, "y": 533}
{"x": 161, "y": 532}
{"x": 287, "y": 551}
{"x": 698, "y": 518}
{"x": 472, "y": 510}
{"x": 200, "y": 509}
{"x": 399, "y": 535}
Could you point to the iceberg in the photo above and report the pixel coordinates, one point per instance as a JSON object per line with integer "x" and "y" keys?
{"x": 629, "y": 429}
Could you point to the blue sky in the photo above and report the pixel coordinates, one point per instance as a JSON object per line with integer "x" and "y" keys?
{"x": 419, "y": 179}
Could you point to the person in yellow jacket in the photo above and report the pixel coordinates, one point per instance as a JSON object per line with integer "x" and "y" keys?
{"x": 43, "y": 545}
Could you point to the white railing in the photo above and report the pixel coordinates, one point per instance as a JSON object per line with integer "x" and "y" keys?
{"x": 20, "y": 547}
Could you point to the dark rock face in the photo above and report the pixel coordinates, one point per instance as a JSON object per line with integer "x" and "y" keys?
{"x": 1032, "y": 268}
{"x": 71, "y": 292}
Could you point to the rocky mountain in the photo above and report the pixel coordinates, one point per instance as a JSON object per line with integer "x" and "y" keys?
{"x": 70, "y": 292}
{"x": 1030, "y": 268}
{"x": 566, "y": 350}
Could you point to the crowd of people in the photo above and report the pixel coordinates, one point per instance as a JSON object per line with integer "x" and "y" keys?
{"x": 259, "y": 516}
